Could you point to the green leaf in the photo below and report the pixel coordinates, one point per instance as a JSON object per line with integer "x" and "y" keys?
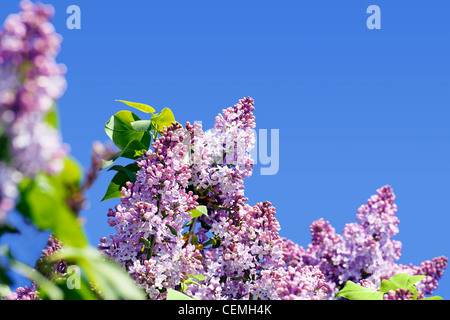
{"x": 52, "y": 117}
{"x": 6, "y": 228}
{"x": 145, "y": 242}
{"x": 134, "y": 150}
{"x": 172, "y": 230}
{"x": 401, "y": 281}
{"x": 47, "y": 287}
{"x": 405, "y": 281}
{"x": 353, "y": 291}
{"x": 217, "y": 243}
{"x": 199, "y": 211}
{"x": 123, "y": 175}
{"x": 4, "y": 277}
{"x": 4, "y": 290}
{"x": 414, "y": 291}
{"x": 4, "y": 147}
{"x": 433, "y": 298}
{"x": 121, "y": 132}
{"x": 191, "y": 282}
{"x": 210, "y": 241}
{"x": 140, "y": 106}
{"x": 130, "y": 170}
{"x": 71, "y": 175}
{"x": 162, "y": 119}
{"x": 205, "y": 225}
{"x": 142, "y": 125}
{"x": 199, "y": 277}
{"x": 84, "y": 292}
{"x": 43, "y": 200}
{"x": 387, "y": 285}
{"x": 177, "y": 295}
{"x": 189, "y": 223}
{"x": 109, "y": 161}
{"x": 109, "y": 279}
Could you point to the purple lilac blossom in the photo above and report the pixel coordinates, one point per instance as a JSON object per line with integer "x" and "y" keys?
{"x": 365, "y": 250}
{"x": 401, "y": 294}
{"x": 155, "y": 208}
{"x": 24, "y": 293}
{"x": 31, "y": 292}
{"x": 30, "y": 83}
{"x": 236, "y": 247}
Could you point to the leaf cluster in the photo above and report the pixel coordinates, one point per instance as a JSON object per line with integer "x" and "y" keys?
{"x": 133, "y": 137}
{"x": 353, "y": 291}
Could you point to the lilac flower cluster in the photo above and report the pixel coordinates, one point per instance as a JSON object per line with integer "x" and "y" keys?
{"x": 365, "y": 251}
{"x": 235, "y": 247}
{"x": 24, "y": 293}
{"x": 31, "y": 292}
{"x": 397, "y": 294}
{"x": 149, "y": 221}
{"x": 433, "y": 270}
{"x": 30, "y": 83}
{"x": 303, "y": 283}
{"x": 401, "y": 294}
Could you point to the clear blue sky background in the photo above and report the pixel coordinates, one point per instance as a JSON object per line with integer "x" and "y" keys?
{"x": 356, "y": 108}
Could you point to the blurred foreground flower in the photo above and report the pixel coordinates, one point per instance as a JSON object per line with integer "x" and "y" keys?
{"x": 30, "y": 83}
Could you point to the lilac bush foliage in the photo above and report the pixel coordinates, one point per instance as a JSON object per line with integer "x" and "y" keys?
{"x": 365, "y": 252}
{"x": 30, "y": 83}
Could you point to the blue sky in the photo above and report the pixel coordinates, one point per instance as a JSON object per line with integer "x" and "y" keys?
{"x": 356, "y": 108}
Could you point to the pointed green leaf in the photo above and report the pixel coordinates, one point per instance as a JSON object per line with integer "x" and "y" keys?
{"x": 199, "y": 277}
{"x": 4, "y": 290}
{"x": 134, "y": 150}
{"x": 199, "y": 211}
{"x": 142, "y": 125}
{"x": 177, "y": 295}
{"x": 108, "y": 278}
{"x": 145, "y": 242}
{"x": 140, "y": 106}
{"x": 52, "y": 117}
{"x": 121, "y": 132}
{"x": 43, "y": 200}
{"x": 433, "y": 298}
{"x": 414, "y": 291}
{"x": 189, "y": 281}
{"x": 163, "y": 119}
{"x": 172, "y": 230}
{"x": 130, "y": 170}
{"x": 387, "y": 285}
{"x": 353, "y": 291}
{"x": 6, "y": 228}
{"x": 71, "y": 175}
{"x": 109, "y": 161}
{"x": 46, "y": 286}
{"x": 405, "y": 281}
{"x": 123, "y": 175}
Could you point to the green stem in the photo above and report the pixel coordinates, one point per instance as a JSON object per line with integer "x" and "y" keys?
{"x": 152, "y": 244}
{"x": 192, "y": 228}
